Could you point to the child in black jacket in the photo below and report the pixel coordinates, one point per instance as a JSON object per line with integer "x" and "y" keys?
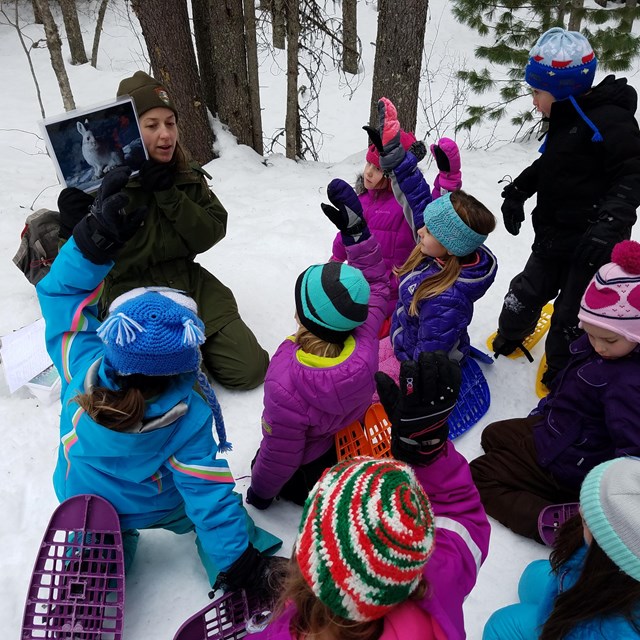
{"x": 587, "y": 181}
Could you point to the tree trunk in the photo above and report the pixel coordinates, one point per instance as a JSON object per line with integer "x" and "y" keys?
{"x": 626, "y": 24}
{"x": 563, "y": 6}
{"x": 173, "y": 61}
{"x": 74, "y": 35}
{"x": 252, "y": 73}
{"x": 202, "y": 29}
{"x": 292, "y": 122}
{"x": 278, "y": 22}
{"x": 230, "y": 63}
{"x": 37, "y": 18}
{"x": 98, "y": 32}
{"x": 264, "y": 5}
{"x": 575, "y": 17}
{"x": 55, "y": 51}
{"x": 399, "y": 47}
{"x": 349, "y": 36}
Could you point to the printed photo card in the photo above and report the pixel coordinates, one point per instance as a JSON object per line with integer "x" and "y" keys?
{"x": 85, "y": 144}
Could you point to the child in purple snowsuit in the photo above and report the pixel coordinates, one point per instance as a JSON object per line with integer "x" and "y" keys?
{"x": 321, "y": 379}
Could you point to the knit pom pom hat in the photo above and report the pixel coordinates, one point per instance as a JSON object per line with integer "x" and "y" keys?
{"x": 147, "y": 93}
{"x": 332, "y": 300}
{"x": 612, "y": 299}
{"x": 366, "y": 534}
{"x": 406, "y": 140}
{"x": 156, "y": 331}
{"x": 562, "y": 63}
{"x": 610, "y": 506}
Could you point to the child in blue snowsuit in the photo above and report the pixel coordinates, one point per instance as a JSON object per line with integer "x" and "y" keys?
{"x": 132, "y": 428}
{"x": 590, "y": 589}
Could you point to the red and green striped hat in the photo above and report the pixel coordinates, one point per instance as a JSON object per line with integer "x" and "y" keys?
{"x": 366, "y": 534}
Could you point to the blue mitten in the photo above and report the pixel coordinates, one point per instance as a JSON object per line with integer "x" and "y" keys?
{"x": 346, "y": 212}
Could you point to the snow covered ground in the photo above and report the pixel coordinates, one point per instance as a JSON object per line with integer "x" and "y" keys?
{"x": 276, "y": 229}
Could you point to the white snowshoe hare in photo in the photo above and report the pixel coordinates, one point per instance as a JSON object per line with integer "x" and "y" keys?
{"x": 99, "y": 154}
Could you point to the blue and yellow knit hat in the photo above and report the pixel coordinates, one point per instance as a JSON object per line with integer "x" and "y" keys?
{"x": 562, "y": 63}
{"x": 156, "y": 331}
{"x": 332, "y": 300}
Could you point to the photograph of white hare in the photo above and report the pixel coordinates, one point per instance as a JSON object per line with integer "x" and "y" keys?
{"x": 85, "y": 144}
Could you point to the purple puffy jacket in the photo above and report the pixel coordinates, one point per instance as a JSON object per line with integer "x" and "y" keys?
{"x": 387, "y": 223}
{"x": 442, "y": 321}
{"x": 308, "y": 399}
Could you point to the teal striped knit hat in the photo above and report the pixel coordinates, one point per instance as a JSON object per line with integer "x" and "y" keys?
{"x": 366, "y": 534}
{"x": 332, "y": 300}
{"x": 610, "y": 505}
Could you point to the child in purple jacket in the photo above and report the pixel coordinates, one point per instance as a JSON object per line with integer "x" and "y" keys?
{"x": 388, "y": 549}
{"x": 590, "y": 415}
{"x": 385, "y": 216}
{"x": 321, "y": 379}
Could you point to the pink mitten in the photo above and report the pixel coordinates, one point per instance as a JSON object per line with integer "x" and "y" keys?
{"x": 447, "y": 157}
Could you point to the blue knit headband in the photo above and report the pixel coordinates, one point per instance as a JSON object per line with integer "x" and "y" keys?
{"x": 449, "y": 229}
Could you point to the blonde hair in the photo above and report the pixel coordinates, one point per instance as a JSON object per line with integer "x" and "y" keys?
{"x": 477, "y": 217}
{"x": 121, "y": 409}
{"x": 310, "y": 343}
{"x": 313, "y": 617}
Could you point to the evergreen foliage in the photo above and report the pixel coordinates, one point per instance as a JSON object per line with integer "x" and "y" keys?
{"x": 515, "y": 25}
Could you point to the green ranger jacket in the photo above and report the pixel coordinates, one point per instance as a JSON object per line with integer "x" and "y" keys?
{"x": 182, "y": 222}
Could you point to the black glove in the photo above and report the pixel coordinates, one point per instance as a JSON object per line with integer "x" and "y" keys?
{"x": 386, "y": 137}
{"x": 157, "y": 176}
{"x": 102, "y": 233}
{"x": 596, "y": 245}
{"x": 262, "y": 576}
{"x": 346, "y": 212}
{"x": 419, "y": 409}
{"x": 257, "y": 501}
{"x": 513, "y": 208}
{"x": 73, "y": 205}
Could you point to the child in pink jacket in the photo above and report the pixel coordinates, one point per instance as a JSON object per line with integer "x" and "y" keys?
{"x": 383, "y": 213}
{"x": 388, "y": 549}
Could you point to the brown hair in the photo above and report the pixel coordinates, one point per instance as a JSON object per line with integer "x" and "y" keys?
{"x": 314, "y": 618}
{"x": 601, "y": 591}
{"x": 477, "y": 217}
{"x": 121, "y": 409}
{"x": 310, "y": 343}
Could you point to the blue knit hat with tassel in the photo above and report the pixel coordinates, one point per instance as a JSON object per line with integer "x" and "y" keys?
{"x": 156, "y": 331}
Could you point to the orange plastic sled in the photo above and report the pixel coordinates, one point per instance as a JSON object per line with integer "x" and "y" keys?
{"x": 374, "y": 439}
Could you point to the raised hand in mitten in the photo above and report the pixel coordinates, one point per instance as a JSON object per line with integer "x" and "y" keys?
{"x": 73, "y": 205}
{"x": 596, "y": 245}
{"x": 513, "y": 208}
{"x": 102, "y": 233}
{"x": 346, "y": 212}
{"x": 420, "y": 407}
{"x": 447, "y": 156}
{"x": 157, "y": 176}
{"x": 386, "y": 137}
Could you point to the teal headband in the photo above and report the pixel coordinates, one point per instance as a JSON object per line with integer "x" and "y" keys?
{"x": 448, "y": 228}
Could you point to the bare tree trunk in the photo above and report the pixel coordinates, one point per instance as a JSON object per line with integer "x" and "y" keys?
{"x": 349, "y": 36}
{"x": 37, "y": 18}
{"x": 626, "y": 24}
{"x": 55, "y": 51}
{"x": 96, "y": 37}
{"x": 173, "y": 61}
{"x": 278, "y": 12}
{"x": 252, "y": 73}
{"x": 575, "y": 17}
{"x": 74, "y": 35}
{"x": 264, "y": 5}
{"x": 563, "y": 5}
{"x": 202, "y": 29}
{"x": 292, "y": 122}
{"x": 399, "y": 47}
{"x": 230, "y": 63}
